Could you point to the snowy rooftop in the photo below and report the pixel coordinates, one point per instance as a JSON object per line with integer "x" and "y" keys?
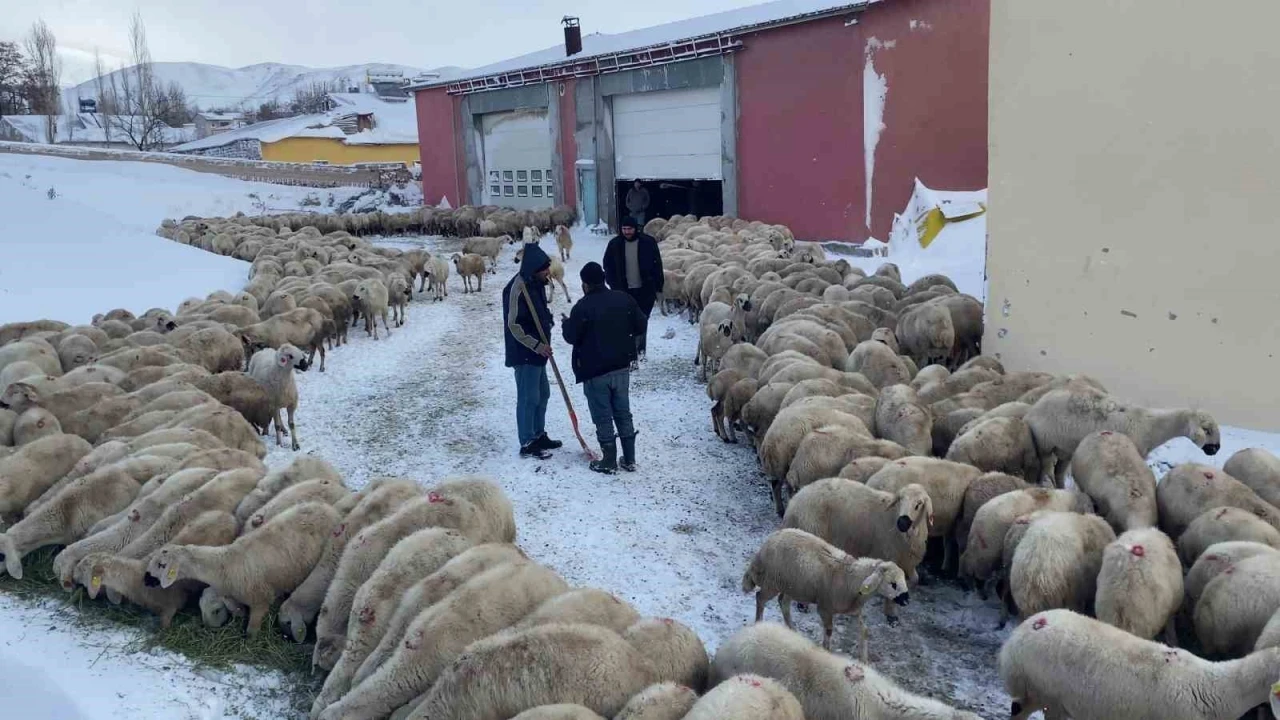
{"x": 395, "y": 124}
{"x": 79, "y": 128}
{"x": 597, "y": 44}
{"x": 222, "y": 115}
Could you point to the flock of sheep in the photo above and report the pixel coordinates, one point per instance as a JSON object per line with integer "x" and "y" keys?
{"x": 466, "y": 221}
{"x": 881, "y": 428}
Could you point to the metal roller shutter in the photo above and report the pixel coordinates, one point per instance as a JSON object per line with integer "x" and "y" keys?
{"x": 667, "y": 134}
{"x": 516, "y": 148}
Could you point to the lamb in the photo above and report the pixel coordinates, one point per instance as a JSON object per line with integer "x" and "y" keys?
{"x": 879, "y": 363}
{"x": 36, "y": 467}
{"x": 371, "y": 297}
{"x": 259, "y": 566}
{"x": 589, "y": 606}
{"x": 661, "y": 701}
{"x": 416, "y": 556}
{"x": 1140, "y": 584}
{"x": 902, "y": 418}
{"x": 564, "y": 242}
{"x": 399, "y": 292}
{"x": 747, "y": 697}
{"x": 1056, "y": 564}
{"x": 865, "y": 522}
{"x": 503, "y": 675}
{"x": 438, "y": 272}
{"x": 433, "y": 589}
{"x": 482, "y": 606}
{"x": 68, "y": 516}
{"x": 381, "y": 498}
{"x": 1062, "y": 418}
{"x": 1214, "y": 560}
{"x": 825, "y": 451}
{"x": 483, "y": 247}
{"x": 1224, "y": 524}
{"x": 125, "y": 577}
{"x": 1189, "y": 489}
{"x": 796, "y": 565}
{"x": 1258, "y": 469}
{"x": 316, "y": 490}
{"x": 784, "y": 436}
{"x": 469, "y": 266}
{"x": 273, "y": 370}
{"x": 1073, "y": 666}
{"x": 828, "y": 686}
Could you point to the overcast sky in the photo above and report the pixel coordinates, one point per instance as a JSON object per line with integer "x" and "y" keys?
{"x": 326, "y": 33}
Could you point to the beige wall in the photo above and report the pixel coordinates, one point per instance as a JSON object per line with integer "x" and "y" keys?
{"x": 1135, "y": 191}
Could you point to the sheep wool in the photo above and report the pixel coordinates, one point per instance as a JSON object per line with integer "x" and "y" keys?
{"x": 1224, "y": 524}
{"x": 1107, "y": 466}
{"x": 1140, "y": 584}
{"x": 663, "y": 701}
{"x": 1057, "y": 562}
{"x": 747, "y": 697}
{"x": 1214, "y": 560}
{"x": 36, "y": 467}
{"x": 1235, "y": 606}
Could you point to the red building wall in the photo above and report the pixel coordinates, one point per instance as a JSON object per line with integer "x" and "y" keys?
{"x": 440, "y": 147}
{"x": 800, "y": 129}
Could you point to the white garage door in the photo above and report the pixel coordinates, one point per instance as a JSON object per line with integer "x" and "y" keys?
{"x": 667, "y": 134}
{"x": 516, "y": 147}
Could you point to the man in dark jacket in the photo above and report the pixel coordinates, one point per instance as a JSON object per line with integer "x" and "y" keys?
{"x": 602, "y": 329}
{"x": 526, "y": 351}
{"x": 633, "y": 265}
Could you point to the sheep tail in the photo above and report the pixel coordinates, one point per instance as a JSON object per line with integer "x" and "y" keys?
{"x": 12, "y": 560}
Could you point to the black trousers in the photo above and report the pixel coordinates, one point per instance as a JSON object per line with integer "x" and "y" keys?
{"x": 645, "y": 297}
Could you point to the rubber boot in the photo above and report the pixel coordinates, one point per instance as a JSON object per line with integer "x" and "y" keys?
{"x": 608, "y": 464}
{"x": 628, "y": 454}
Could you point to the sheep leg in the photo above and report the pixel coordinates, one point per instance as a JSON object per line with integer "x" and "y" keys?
{"x": 479, "y": 283}
{"x": 293, "y": 430}
{"x": 384, "y": 323}
{"x": 762, "y": 598}
{"x": 257, "y": 613}
{"x": 279, "y": 425}
{"x": 551, "y": 292}
{"x": 784, "y": 604}
{"x": 828, "y": 628}
{"x": 862, "y": 637}
{"x": 1060, "y": 473}
{"x": 322, "y": 358}
{"x": 715, "y": 420}
{"x": 1171, "y": 633}
{"x": 566, "y": 291}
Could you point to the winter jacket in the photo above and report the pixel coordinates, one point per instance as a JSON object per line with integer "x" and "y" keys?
{"x": 602, "y": 329}
{"x": 615, "y": 268}
{"x": 519, "y": 330}
{"x": 637, "y": 200}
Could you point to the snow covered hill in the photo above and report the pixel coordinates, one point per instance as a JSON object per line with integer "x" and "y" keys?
{"x": 214, "y": 86}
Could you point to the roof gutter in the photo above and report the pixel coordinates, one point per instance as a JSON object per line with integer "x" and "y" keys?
{"x": 646, "y": 56}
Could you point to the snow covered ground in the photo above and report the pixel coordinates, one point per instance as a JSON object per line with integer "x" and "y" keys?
{"x": 434, "y": 399}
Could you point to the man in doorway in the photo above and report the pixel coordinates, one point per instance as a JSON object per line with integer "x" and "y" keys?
{"x": 633, "y": 264}
{"x": 526, "y": 352}
{"x": 602, "y": 329}
{"x": 638, "y": 202}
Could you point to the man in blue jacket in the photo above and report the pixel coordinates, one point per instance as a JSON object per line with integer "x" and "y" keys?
{"x": 526, "y": 352}
{"x": 633, "y": 264}
{"x": 602, "y": 329}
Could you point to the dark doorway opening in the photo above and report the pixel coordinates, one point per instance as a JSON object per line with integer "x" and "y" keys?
{"x": 669, "y": 197}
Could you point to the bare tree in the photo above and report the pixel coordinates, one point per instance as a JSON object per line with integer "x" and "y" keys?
{"x": 46, "y": 76}
{"x": 142, "y": 104}
{"x": 106, "y": 103}
{"x": 13, "y": 71}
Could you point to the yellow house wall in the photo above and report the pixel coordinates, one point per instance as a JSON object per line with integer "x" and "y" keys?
{"x": 332, "y": 150}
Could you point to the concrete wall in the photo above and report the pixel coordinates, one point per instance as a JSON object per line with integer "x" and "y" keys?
{"x": 1134, "y": 180}
{"x": 815, "y": 84}
{"x": 336, "y": 152}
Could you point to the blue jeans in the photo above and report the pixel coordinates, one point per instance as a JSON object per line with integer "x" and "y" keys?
{"x": 532, "y": 393}
{"x": 610, "y": 405}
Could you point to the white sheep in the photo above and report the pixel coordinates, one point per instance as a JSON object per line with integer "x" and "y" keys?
{"x": 902, "y": 418}
{"x": 469, "y": 266}
{"x": 558, "y": 711}
{"x": 258, "y": 567}
{"x": 998, "y": 444}
{"x": 1255, "y": 467}
{"x": 865, "y": 522}
{"x": 590, "y": 606}
{"x": 660, "y": 701}
{"x": 1062, "y": 418}
{"x": 1056, "y": 564}
{"x": 1224, "y": 524}
{"x": 482, "y": 606}
{"x": 673, "y": 649}
{"x": 220, "y": 494}
{"x": 381, "y": 498}
{"x": 828, "y": 686}
{"x": 125, "y": 577}
{"x": 984, "y": 549}
{"x": 982, "y": 489}
{"x": 747, "y": 697}
{"x": 399, "y": 292}
{"x": 506, "y": 674}
{"x": 35, "y": 468}
{"x": 416, "y": 556}
{"x": 1140, "y": 584}
{"x": 302, "y": 468}
{"x": 431, "y": 590}
{"x": 946, "y": 482}
{"x": 796, "y": 565}
{"x": 1235, "y": 606}
{"x": 879, "y": 362}
{"x": 273, "y": 370}
{"x": 824, "y": 452}
{"x": 564, "y": 242}
{"x": 1107, "y": 467}
{"x": 438, "y": 273}
{"x": 1189, "y": 489}
{"x": 1074, "y": 666}
{"x": 779, "y": 444}
{"x": 317, "y": 490}
{"x": 1214, "y": 560}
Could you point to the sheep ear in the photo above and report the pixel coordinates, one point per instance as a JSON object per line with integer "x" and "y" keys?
{"x": 872, "y": 582}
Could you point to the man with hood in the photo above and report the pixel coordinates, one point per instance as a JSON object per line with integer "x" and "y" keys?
{"x": 633, "y": 264}
{"x": 526, "y": 352}
{"x": 602, "y": 329}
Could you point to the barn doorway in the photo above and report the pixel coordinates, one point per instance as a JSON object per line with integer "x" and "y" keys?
{"x": 674, "y": 197}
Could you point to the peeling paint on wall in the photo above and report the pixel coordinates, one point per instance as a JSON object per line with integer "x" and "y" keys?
{"x": 875, "y": 90}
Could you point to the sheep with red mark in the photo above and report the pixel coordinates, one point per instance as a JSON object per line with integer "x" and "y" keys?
{"x": 1140, "y": 584}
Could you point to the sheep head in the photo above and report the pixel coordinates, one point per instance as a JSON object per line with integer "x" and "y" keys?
{"x": 164, "y": 567}
{"x": 1203, "y": 430}
{"x": 290, "y": 356}
{"x": 19, "y": 396}
{"x": 914, "y": 506}
{"x": 888, "y": 581}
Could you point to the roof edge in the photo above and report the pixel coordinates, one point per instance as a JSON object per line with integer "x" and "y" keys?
{"x": 853, "y": 6}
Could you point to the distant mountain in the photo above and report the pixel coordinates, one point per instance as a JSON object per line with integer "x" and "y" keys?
{"x": 213, "y": 86}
